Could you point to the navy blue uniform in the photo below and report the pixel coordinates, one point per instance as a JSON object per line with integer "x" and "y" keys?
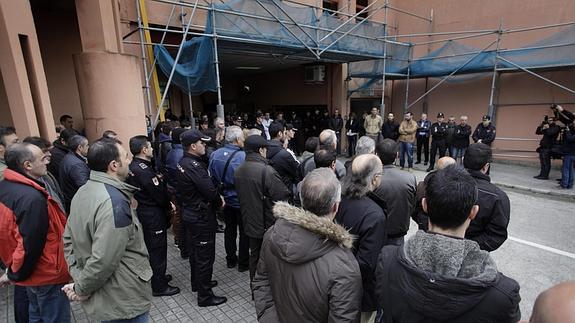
{"x": 153, "y": 204}
{"x": 485, "y": 134}
{"x": 200, "y": 199}
{"x": 438, "y": 141}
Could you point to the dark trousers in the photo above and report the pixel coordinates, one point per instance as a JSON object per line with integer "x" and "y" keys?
{"x": 437, "y": 145}
{"x": 255, "y": 248}
{"x": 351, "y": 142}
{"x": 422, "y": 144}
{"x": 544, "y": 161}
{"x": 20, "y": 304}
{"x": 202, "y": 247}
{"x": 157, "y": 244}
{"x": 48, "y": 304}
{"x": 338, "y": 146}
{"x": 233, "y": 218}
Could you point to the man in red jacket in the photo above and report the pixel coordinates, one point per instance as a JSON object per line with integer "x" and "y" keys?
{"x": 31, "y": 227}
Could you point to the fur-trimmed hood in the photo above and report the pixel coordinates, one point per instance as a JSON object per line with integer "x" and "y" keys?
{"x": 299, "y": 236}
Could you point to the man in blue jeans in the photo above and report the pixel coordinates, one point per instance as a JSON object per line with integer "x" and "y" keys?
{"x": 567, "y": 171}
{"x": 407, "y": 130}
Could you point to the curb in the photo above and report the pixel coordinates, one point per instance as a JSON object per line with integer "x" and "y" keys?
{"x": 536, "y": 190}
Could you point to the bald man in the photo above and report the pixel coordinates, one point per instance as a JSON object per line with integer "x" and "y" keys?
{"x": 555, "y": 305}
{"x": 418, "y": 215}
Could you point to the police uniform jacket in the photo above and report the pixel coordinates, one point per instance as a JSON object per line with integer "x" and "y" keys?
{"x": 199, "y": 194}
{"x": 438, "y": 130}
{"x": 152, "y": 195}
{"x": 486, "y": 134}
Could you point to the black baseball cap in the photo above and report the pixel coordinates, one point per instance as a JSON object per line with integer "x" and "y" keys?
{"x": 440, "y": 115}
{"x": 255, "y": 142}
{"x": 192, "y": 136}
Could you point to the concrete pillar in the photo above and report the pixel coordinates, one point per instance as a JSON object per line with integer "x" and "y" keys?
{"x": 23, "y": 72}
{"x": 109, "y": 81}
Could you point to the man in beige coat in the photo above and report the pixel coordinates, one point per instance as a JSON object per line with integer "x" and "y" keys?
{"x": 373, "y": 124}
{"x": 407, "y": 130}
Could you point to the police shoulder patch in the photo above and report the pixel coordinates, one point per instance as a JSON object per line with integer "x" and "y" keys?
{"x": 143, "y": 166}
{"x": 155, "y": 181}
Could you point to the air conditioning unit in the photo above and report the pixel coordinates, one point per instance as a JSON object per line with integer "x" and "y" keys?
{"x": 315, "y": 74}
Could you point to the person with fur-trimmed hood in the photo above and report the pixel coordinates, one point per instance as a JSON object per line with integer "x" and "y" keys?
{"x": 439, "y": 275}
{"x": 307, "y": 271}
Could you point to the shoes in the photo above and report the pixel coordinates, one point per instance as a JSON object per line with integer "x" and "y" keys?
{"x": 540, "y": 177}
{"x": 429, "y": 169}
{"x": 213, "y": 283}
{"x": 559, "y": 180}
{"x": 418, "y": 162}
{"x": 425, "y": 164}
{"x": 220, "y": 229}
{"x": 184, "y": 255}
{"x": 410, "y": 170}
{"x": 232, "y": 264}
{"x": 169, "y": 291}
{"x": 401, "y": 168}
{"x": 169, "y": 278}
{"x": 212, "y": 301}
{"x": 242, "y": 269}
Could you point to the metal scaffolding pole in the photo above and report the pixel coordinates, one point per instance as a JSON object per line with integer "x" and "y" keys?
{"x": 144, "y": 62}
{"x": 405, "y": 106}
{"x": 491, "y": 110}
{"x": 192, "y": 119}
{"x": 425, "y": 100}
{"x": 382, "y": 107}
{"x": 450, "y": 75}
{"x": 167, "y": 89}
{"x": 220, "y": 106}
{"x": 537, "y": 75}
{"x": 163, "y": 38}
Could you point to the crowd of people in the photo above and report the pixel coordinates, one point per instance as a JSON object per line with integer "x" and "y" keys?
{"x": 323, "y": 240}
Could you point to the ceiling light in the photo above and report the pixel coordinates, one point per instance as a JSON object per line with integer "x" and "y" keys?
{"x": 248, "y": 68}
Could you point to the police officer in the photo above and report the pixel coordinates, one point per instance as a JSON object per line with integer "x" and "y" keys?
{"x": 438, "y": 141}
{"x": 200, "y": 199}
{"x": 550, "y": 131}
{"x": 484, "y": 132}
{"x": 153, "y": 203}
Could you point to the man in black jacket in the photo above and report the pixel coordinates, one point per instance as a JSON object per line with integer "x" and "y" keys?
{"x": 59, "y": 151}
{"x": 390, "y": 128}
{"x": 484, "y": 132}
{"x": 200, "y": 199}
{"x": 362, "y": 213}
{"x": 460, "y": 139}
{"x": 550, "y": 130}
{"x": 153, "y": 204}
{"x": 336, "y": 124}
{"x": 438, "y": 132}
{"x": 439, "y": 276}
{"x": 74, "y": 171}
{"x": 489, "y": 227}
{"x": 280, "y": 159}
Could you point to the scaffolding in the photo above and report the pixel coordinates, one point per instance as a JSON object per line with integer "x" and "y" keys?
{"x": 231, "y": 27}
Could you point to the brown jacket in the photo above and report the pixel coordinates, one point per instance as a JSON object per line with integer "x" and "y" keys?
{"x": 307, "y": 271}
{"x": 407, "y": 131}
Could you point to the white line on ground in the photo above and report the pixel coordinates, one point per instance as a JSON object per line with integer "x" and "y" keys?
{"x": 536, "y": 245}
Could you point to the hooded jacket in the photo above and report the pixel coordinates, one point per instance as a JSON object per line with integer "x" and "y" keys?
{"x": 306, "y": 272}
{"x": 31, "y": 227}
{"x": 74, "y": 172}
{"x": 257, "y": 193}
{"x": 105, "y": 250}
{"x": 436, "y": 278}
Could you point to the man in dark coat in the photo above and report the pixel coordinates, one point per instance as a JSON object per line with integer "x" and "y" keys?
{"x": 362, "y": 213}
{"x": 423, "y": 129}
{"x": 59, "y": 151}
{"x": 438, "y": 143}
{"x": 280, "y": 159}
{"x": 258, "y": 186}
{"x": 74, "y": 171}
{"x": 460, "y": 139}
{"x": 307, "y": 271}
{"x": 484, "y": 132}
{"x": 550, "y": 131}
{"x": 489, "y": 227}
{"x": 390, "y": 128}
{"x": 336, "y": 124}
{"x": 439, "y": 276}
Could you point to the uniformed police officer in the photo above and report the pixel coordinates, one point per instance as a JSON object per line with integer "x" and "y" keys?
{"x": 484, "y": 132}
{"x": 200, "y": 199}
{"x": 438, "y": 140}
{"x": 153, "y": 204}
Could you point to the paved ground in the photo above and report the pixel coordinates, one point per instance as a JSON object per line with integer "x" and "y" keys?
{"x": 539, "y": 253}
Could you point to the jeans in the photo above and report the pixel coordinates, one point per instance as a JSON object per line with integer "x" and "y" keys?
{"x": 567, "y": 171}
{"x": 48, "y": 304}
{"x": 21, "y": 307}
{"x": 458, "y": 153}
{"x": 233, "y": 218}
{"x": 142, "y": 318}
{"x": 406, "y": 147}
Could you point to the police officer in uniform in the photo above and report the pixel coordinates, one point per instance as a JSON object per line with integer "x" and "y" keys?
{"x": 438, "y": 140}
{"x": 485, "y": 131}
{"x": 200, "y": 199}
{"x": 153, "y": 204}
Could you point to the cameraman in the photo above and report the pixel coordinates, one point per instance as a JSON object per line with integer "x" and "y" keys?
{"x": 568, "y": 149}
{"x": 566, "y": 117}
{"x": 550, "y": 131}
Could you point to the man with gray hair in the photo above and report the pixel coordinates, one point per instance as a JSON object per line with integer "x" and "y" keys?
{"x": 397, "y": 189}
{"x": 74, "y": 171}
{"x": 310, "y": 255}
{"x": 327, "y": 140}
{"x": 365, "y": 145}
{"x": 223, "y": 165}
{"x": 362, "y": 213}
